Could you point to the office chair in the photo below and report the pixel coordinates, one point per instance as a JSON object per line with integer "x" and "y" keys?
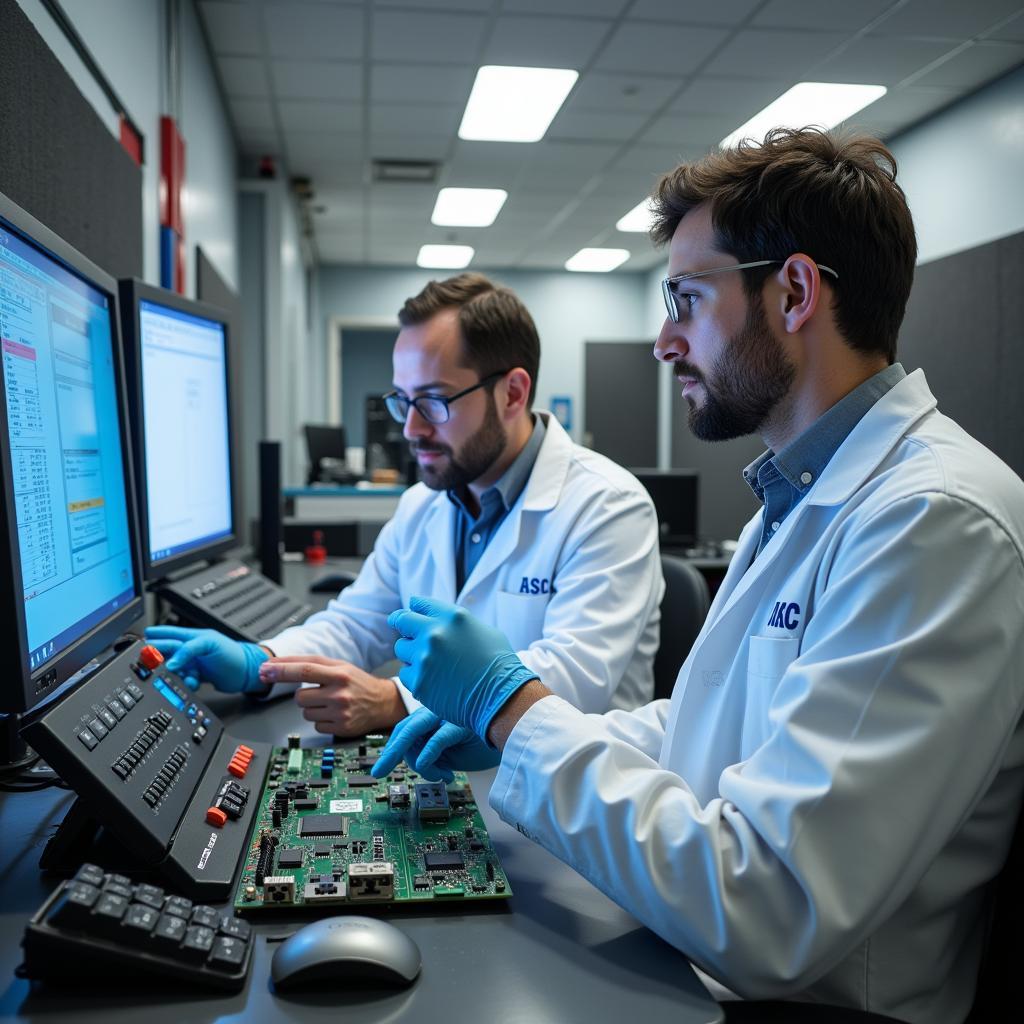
{"x": 683, "y": 610}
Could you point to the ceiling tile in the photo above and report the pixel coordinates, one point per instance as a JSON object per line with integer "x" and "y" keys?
{"x": 429, "y": 37}
{"x": 419, "y": 119}
{"x": 486, "y": 164}
{"x": 252, "y": 114}
{"x": 693, "y": 131}
{"x": 954, "y": 19}
{"x": 309, "y": 146}
{"x": 658, "y": 48}
{"x": 232, "y": 29}
{"x": 1011, "y": 32}
{"x": 432, "y": 5}
{"x": 880, "y": 61}
{"x": 721, "y": 12}
{"x": 902, "y": 108}
{"x": 773, "y": 53}
{"x": 740, "y": 98}
{"x": 320, "y": 115}
{"x": 597, "y": 91}
{"x": 583, "y": 8}
{"x": 421, "y": 83}
{"x": 409, "y": 147}
{"x": 317, "y": 79}
{"x": 257, "y": 142}
{"x": 657, "y": 159}
{"x": 590, "y": 124}
{"x": 975, "y": 66}
{"x": 826, "y": 15}
{"x": 307, "y": 31}
{"x": 244, "y": 76}
{"x": 544, "y": 42}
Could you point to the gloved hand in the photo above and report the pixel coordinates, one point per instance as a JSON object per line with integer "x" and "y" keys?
{"x": 461, "y": 669}
{"x": 204, "y": 655}
{"x": 434, "y": 748}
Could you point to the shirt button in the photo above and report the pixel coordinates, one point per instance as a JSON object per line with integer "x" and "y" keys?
{"x": 475, "y": 538}
{"x": 776, "y": 525}
{"x": 805, "y": 478}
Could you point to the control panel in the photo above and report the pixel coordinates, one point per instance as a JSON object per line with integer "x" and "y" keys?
{"x": 235, "y": 599}
{"x": 154, "y": 765}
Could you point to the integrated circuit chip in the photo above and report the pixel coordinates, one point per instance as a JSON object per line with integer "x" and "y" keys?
{"x": 444, "y": 861}
{"x": 322, "y": 825}
{"x": 290, "y": 858}
{"x": 361, "y": 780}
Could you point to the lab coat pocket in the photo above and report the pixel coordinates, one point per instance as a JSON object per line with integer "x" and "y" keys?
{"x": 521, "y": 617}
{"x": 767, "y": 661}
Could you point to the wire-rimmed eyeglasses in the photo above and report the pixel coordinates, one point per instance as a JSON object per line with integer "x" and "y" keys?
{"x": 433, "y": 408}
{"x": 672, "y": 299}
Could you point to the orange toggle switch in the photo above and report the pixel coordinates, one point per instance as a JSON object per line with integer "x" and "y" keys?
{"x": 237, "y": 768}
{"x": 243, "y": 749}
{"x": 240, "y": 756}
{"x": 150, "y": 657}
{"x": 215, "y": 816}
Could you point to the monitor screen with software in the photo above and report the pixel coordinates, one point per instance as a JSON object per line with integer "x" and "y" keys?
{"x": 68, "y": 558}
{"x": 177, "y": 353}
{"x": 675, "y": 495}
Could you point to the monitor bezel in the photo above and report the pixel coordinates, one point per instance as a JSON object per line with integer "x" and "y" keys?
{"x": 134, "y": 292}
{"x": 43, "y": 683}
{"x": 655, "y": 473}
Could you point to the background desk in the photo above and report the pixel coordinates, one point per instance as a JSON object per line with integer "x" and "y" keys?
{"x": 559, "y": 952}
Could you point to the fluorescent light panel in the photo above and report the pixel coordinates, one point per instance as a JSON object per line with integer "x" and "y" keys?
{"x": 597, "y": 260}
{"x": 637, "y": 220}
{"x": 819, "y": 103}
{"x": 444, "y": 257}
{"x": 514, "y": 104}
{"x": 468, "y": 207}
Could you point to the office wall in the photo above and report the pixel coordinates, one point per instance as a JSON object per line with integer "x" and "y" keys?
{"x": 127, "y": 40}
{"x": 569, "y": 309}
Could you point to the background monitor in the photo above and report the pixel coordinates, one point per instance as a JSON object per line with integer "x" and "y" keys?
{"x": 177, "y": 352}
{"x": 323, "y": 442}
{"x": 675, "y": 496}
{"x": 69, "y": 565}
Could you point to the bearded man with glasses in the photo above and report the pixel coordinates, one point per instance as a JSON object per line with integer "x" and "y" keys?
{"x": 552, "y": 543}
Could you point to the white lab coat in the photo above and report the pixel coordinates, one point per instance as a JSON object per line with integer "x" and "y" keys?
{"x": 817, "y": 810}
{"x": 572, "y": 576}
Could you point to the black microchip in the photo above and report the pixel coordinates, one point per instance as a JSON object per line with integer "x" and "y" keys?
{"x": 322, "y": 850}
{"x": 366, "y": 762}
{"x": 361, "y": 780}
{"x": 305, "y": 805}
{"x": 444, "y": 861}
{"x": 290, "y": 859}
{"x": 321, "y": 784}
{"x": 321, "y": 825}
{"x": 421, "y": 882}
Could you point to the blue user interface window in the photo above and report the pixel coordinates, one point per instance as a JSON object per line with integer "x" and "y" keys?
{"x": 63, "y": 418}
{"x": 185, "y": 424}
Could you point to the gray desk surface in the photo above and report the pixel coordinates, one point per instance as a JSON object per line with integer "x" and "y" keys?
{"x": 559, "y": 951}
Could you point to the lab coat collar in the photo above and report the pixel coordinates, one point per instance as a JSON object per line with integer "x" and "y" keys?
{"x": 874, "y": 437}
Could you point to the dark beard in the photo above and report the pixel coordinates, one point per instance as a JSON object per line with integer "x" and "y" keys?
{"x": 476, "y": 456}
{"x": 746, "y": 382}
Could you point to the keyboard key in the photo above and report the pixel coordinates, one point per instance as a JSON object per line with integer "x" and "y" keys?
{"x": 107, "y": 718}
{"x": 227, "y": 952}
{"x": 205, "y": 916}
{"x": 170, "y": 929}
{"x": 88, "y": 739}
{"x": 236, "y": 928}
{"x": 120, "y": 880}
{"x": 98, "y": 729}
{"x": 117, "y": 889}
{"x": 198, "y": 942}
{"x": 178, "y": 906}
{"x": 140, "y": 919}
{"x": 90, "y": 873}
{"x": 74, "y": 909}
{"x": 150, "y": 895}
{"x": 118, "y": 708}
{"x": 110, "y": 909}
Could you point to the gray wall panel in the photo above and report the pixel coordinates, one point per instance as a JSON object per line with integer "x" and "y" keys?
{"x": 621, "y": 401}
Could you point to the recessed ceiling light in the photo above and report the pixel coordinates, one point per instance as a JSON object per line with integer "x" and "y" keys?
{"x": 514, "y": 104}
{"x": 638, "y": 219}
{"x": 468, "y": 207}
{"x": 819, "y": 103}
{"x": 597, "y": 260}
{"x": 444, "y": 257}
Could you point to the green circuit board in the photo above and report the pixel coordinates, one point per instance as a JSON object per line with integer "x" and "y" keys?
{"x": 329, "y": 835}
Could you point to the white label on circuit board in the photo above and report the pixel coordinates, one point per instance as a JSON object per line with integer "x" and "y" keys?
{"x": 346, "y": 807}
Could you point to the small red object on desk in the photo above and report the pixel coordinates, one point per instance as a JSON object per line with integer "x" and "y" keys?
{"x": 316, "y": 552}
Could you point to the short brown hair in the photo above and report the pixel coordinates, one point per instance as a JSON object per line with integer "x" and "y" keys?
{"x": 830, "y": 195}
{"x": 498, "y": 332}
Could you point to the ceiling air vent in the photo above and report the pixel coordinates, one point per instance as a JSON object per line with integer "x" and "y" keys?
{"x": 419, "y": 172}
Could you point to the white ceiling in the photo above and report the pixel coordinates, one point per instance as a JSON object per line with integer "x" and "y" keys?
{"x": 327, "y": 86}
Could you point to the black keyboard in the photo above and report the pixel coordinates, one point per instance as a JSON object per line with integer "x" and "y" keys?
{"x": 98, "y": 923}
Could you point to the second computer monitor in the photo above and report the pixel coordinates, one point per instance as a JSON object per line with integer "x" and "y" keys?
{"x": 178, "y": 354}
{"x": 675, "y": 496}
{"x": 323, "y": 442}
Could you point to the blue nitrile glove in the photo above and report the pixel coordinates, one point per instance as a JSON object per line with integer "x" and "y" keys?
{"x": 204, "y": 655}
{"x": 434, "y": 748}
{"x": 461, "y": 669}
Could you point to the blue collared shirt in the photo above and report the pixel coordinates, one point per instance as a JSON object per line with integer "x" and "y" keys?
{"x": 781, "y": 481}
{"x": 473, "y": 535}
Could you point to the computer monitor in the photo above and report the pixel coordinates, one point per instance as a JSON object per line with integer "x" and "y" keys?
{"x": 323, "y": 442}
{"x": 675, "y": 495}
{"x": 386, "y": 446}
{"x": 177, "y": 353}
{"x": 69, "y": 564}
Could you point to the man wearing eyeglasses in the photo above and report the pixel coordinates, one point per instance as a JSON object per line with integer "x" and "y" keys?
{"x": 820, "y": 810}
{"x": 555, "y": 544}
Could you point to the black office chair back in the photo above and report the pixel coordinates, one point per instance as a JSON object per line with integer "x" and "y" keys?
{"x": 683, "y": 610}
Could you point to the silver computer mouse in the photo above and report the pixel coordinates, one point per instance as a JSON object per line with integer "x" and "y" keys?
{"x": 352, "y": 950}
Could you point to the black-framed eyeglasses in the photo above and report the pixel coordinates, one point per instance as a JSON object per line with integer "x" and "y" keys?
{"x": 433, "y": 408}
{"x": 672, "y": 297}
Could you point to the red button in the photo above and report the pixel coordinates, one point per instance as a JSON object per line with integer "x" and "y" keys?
{"x": 241, "y": 755}
{"x": 243, "y": 749}
{"x": 215, "y": 816}
{"x": 237, "y": 769}
{"x": 150, "y": 657}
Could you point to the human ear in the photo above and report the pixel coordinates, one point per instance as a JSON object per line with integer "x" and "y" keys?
{"x": 517, "y": 390}
{"x": 800, "y": 283}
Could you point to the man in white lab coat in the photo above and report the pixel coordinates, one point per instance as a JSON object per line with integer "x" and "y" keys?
{"x": 817, "y": 811}
{"x": 555, "y": 544}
